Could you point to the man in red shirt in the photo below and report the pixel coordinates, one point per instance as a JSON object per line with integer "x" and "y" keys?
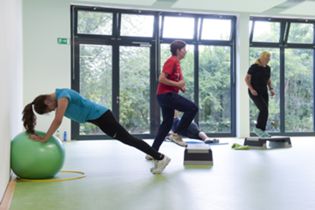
{"x": 171, "y": 81}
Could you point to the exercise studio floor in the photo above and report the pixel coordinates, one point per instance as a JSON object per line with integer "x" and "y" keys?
{"x": 118, "y": 178}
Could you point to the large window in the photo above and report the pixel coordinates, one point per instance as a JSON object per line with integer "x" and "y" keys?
{"x": 291, "y": 43}
{"x": 301, "y": 33}
{"x": 98, "y": 23}
{"x": 178, "y": 27}
{"x": 214, "y": 74}
{"x": 134, "y": 96}
{"x": 137, "y": 25}
{"x": 265, "y": 31}
{"x": 299, "y": 90}
{"x": 95, "y": 79}
{"x": 118, "y": 56}
{"x": 222, "y": 32}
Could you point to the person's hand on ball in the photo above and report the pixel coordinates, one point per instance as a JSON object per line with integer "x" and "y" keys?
{"x": 37, "y": 138}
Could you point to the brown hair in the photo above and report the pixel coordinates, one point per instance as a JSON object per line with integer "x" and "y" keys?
{"x": 177, "y": 45}
{"x": 29, "y": 117}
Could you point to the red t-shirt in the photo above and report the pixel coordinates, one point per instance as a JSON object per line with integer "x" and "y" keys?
{"x": 172, "y": 68}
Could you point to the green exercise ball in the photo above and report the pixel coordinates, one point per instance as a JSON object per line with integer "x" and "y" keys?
{"x": 35, "y": 160}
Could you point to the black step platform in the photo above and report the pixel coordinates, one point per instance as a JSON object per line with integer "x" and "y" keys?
{"x": 198, "y": 154}
{"x": 274, "y": 142}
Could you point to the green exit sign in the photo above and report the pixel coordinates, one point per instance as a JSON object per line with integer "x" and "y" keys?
{"x": 62, "y": 41}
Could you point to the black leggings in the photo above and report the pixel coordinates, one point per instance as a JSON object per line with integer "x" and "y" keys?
{"x": 261, "y": 101}
{"x": 109, "y": 125}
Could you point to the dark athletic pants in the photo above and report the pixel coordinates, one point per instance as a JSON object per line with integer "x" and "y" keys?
{"x": 109, "y": 125}
{"x": 168, "y": 103}
{"x": 191, "y": 132}
{"x": 261, "y": 101}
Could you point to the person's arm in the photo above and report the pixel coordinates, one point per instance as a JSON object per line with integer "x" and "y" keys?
{"x": 272, "y": 92}
{"x": 60, "y": 111}
{"x": 164, "y": 80}
{"x": 248, "y": 79}
{"x": 269, "y": 85}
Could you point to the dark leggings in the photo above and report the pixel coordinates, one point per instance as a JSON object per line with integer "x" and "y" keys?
{"x": 261, "y": 101}
{"x": 168, "y": 103}
{"x": 109, "y": 125}
{"x": 191, "y": 132}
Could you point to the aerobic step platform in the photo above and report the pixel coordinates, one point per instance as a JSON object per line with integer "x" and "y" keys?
{"x": 198, "y": 154}
{"x": 274, "y": 142}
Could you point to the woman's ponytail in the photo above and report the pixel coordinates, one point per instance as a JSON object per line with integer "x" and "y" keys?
{"x": 29, "y": 118}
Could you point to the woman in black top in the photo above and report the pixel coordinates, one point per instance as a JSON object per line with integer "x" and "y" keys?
{"x": 258, "y": 82}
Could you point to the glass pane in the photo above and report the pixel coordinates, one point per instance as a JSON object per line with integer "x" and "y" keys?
{"x": 215, "y": 29}
{"x": 214, "y": 89}
{"x": 95, "y": 23}
{"x": 137, "y": 25}
{"x": 134, "y": 84}
{"x": 178, "y": 27}
{"x": 273, "y": 123}
{"x": 187, "y": 65}
{"x": 95, "y": 79}
{"x": 301, "y": 33}
{"x": 299, "y": 90}
{"x": 266, "y": 31}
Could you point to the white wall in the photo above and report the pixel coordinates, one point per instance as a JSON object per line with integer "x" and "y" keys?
{"x": 10, "y": 83}
{"x": 46, "y": 64}
{"x": 242, "y": 64}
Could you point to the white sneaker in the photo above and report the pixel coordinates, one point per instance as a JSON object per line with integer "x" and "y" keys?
{"x": 266, "y": 134}
{"x": 167, "y": 138}
{"x": 259, "y": 132}
{"x": 177, "y": 139}
{"x": 159, "y": 165}
{"x": 149, "y": 157}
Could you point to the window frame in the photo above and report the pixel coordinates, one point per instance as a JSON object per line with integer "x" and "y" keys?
{"x": 117, "y": 40}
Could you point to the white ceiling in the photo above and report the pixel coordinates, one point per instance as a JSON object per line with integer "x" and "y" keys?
{"x": 306, "y": 8}
{"x": 228, "y": 5}
{"x": 302, "y": 8}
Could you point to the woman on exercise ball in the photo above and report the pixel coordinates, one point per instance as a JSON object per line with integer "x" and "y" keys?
{"x": 258, "y": 82}
{"x": 69, "y": 103}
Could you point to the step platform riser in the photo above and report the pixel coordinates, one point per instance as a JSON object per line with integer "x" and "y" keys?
{"x": 198, "y": 155}
{"x": 273, "y": 142}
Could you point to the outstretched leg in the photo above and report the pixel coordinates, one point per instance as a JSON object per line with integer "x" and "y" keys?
{"x": 109, "y": 125}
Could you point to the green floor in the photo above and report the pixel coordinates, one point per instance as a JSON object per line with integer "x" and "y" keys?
{"x": 119, "y": 178}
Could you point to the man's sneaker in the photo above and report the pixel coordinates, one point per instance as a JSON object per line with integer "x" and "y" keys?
{"x": 159, "y": 165}
{"x": 177, "y": 139}
{"x": 149, "y": 157}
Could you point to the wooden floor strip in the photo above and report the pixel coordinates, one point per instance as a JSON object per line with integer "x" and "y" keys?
{"x": 8, "y": 195}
